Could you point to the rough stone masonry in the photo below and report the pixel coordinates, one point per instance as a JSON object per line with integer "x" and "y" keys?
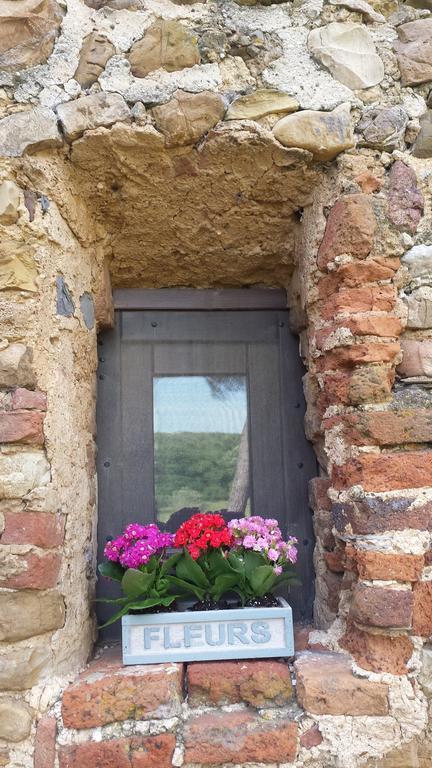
{"x": 150, "y": 143}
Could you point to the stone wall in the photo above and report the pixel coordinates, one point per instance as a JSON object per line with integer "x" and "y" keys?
{"x": 166, "y": 143}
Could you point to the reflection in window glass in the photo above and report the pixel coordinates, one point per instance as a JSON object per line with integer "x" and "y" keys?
{"x": 201, "y": 453}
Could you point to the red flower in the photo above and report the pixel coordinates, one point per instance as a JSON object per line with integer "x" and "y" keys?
{"x": 202, "y": 532}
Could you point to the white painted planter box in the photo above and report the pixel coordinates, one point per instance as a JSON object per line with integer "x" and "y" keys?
{"x": 238, "y": 633}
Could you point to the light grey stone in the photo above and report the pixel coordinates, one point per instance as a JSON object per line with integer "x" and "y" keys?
{"x": 16, "y": 366}
{"x": 419, "y": 261}
{"x": 28, "y": 132}
{"x": 425, "y": 677}
{"x": 419, "y": 306}
{"x": 383, "y": 127}
{"x": 348, "y": 51}
{"x": 423, "y": 145}
{"x": 22, "y": 669}
{"x": 89, "y": 112}
{"x": 88, "y": 310}
{"x": 15, "y": 720}
{"x": 361, "y": 6}
{"x": 21, "y": 471}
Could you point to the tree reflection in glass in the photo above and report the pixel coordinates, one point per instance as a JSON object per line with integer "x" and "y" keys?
{"x": 201, "y": 452}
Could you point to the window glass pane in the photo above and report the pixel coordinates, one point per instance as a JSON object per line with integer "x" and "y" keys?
{"x": 201, "y": 452}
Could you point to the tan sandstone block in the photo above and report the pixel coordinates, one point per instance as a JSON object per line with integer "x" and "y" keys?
{"x": 21, "y": 471}
{"x": 22, "y": 669}
{"x": 89, "y": 112}
{"x": 9, "y": 202}
{"x": 95, "y": 52}
{"x": 28, "y": 30}
{"x": 325, "y": 134}
{"x": 188, "y": 116}
{"x": 262, "y": 102}
{"x": 28, "y": 131}
{"x": 15, "y": 720}
{"x": 26, "y": 614}
{"x": 16, "y": 367}
{"x": 168, "y": 45}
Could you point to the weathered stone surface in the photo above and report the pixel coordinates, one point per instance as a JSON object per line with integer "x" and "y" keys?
{"x": 414, "y": 51}
{"x": 239, "y": 737}
{"x": 262, "y": 102}
{"x": 87, "y": 310}
{"x": 422, "y": 615}
{"x": 42, "y": 529}
{"x": 350, "y": 229}
{"x": 89, "y": 112}
{"x": 361, "y": 6}
{"x": 21, "y": 427}
{"x": 358, "y": 354}
{"x": 353, "y": 274}
{"x": 28, "y": 29}
{"x": 392, "y": 427}
{"x": 25, "y": 614}
{"x": 45, "y": 742}
{"x": 377, "y": 515}
{"x": 376, "y": 652}
{"x": 22, "y": 669}
{"x": 385, "y": 471}
{"x": 423, "y": 144}
{"x": 16, "y": 366}
{"x": 28, "y": 131}
{"x": 9, "y": 202}
{"x": 103, "y": 301}
{"x": 384, "y": 326}
{"x": 258, "y": 683}
{"x": 18, "y": 269}
{"x": 419, "y": 306}
{"x": 348, "y": 51}
{"x": 150, "y": 692}
{"x": 386, "y": 567}
{"x": 418, "y": 260}
{"x": 188, "y": 116}
{"x": 425, "y": 677}
{"x": 21, "y": 471}
{"x": 415, "y": 754}
{"x": 325, "y": 134}
{"x": 379, "y": 607}
{"x": 417, "y": 358}
{"x": 95, "y": 52}
{"x": 311, "y": 738}
{"x": 383, "y": 127}
{"x": 136, "y": 752}
{"x": 405, "y": 201}
{"x": 168, "y": 45}
{"x": 15, "y": 720}
{"x": 326, "y": 685}
{"x": 64, "y": 302}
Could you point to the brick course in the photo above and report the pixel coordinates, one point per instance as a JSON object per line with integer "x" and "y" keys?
{"x": 136, "y": 752}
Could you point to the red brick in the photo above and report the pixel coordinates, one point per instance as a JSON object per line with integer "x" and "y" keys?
{"x": 239, "y": 737}
{"x": 376, "y": 652}
{"x": 385, "y": 471}
{"x": 41, "y": 529}
{"x": 335, "y": 560}
{"x": 21, "y": 427}
{"x": 27, "y": 399}
{"x": 384, "y": 326}
{"x": 350, "y": 229}
{"x": 45, "y": 742}
{"x": 358, "y": 354}
{"x": 377, "y": 515}
{"x": 318, "y": 493}
{"x": 140, "y": 693}
{"x": 422, "y": 617}
{"x": 365, "y": 384}
{"x": 393, "y": 427}
{"x": 40, "y": 572}
{"x": 357, "y": 273}
{"x": 417, "y": 358}
{"x": 301, "y": 636}
{"x": 136, "y": 752}
{"x": 387, "y": 567}
{"x": 311, "y": 738}
{"x": 326, "y": 685}
{"x": 258, "y": 683}
{"x": 379, "y": 607}
{"x": 428, "y": 558}
{"x": 367, "y": 298}
{"x": 405, "y": 201}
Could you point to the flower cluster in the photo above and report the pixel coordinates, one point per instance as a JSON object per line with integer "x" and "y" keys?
{"x": 137, "y": 545}
{"x": 264, "y": 536}
{"x": 202, "y": 532}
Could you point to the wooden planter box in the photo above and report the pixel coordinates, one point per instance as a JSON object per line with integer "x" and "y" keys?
{"x": 238, "y": 633}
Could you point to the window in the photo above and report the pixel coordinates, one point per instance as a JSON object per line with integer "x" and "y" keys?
{"x": 203, "y": 409}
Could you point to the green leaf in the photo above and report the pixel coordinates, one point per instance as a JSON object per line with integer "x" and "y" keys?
{"x": 263, "y": 579}
{"x": 236, "y": 562}
{"x": 141, "y": 605}
{"x": 218, "y": 564}
{"x": 223, "y": 583}
{"x": 188, "y": 569}
{"x": 111, "y": 571}
{"x": 252, "y": 560}
{"x": 170, "y": 563}
{"x": 122, "y": 612}
{"x": 136, "y": 583}
{"x": 188, "y": 587}
{"x": 118, "y": 600}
